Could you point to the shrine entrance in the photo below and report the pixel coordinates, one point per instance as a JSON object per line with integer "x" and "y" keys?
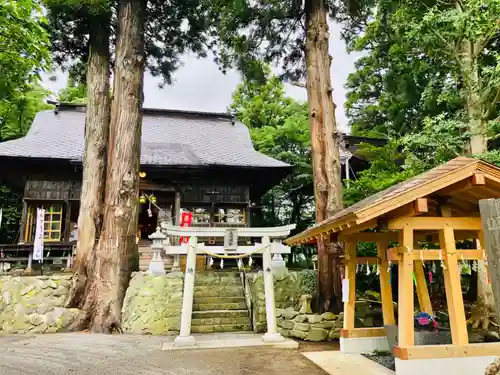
{"x": 267, "y": 243}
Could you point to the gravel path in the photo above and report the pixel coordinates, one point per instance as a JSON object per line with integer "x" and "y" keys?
{"x": 85, "y": 354}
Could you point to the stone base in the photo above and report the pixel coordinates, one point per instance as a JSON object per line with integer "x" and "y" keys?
{"x": 273, "y": 337}
{"x": 184, "y": 341}
{"x": 439, "y": 366}
{"x": 364, "y": 345}
{"x": 156, "y": 268}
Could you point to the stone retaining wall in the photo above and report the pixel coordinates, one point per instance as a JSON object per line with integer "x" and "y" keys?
{"x": 153, "y": 304}
{"x": 309, "y": 327}
{"x": 288, "y": 287}
{"x": 35, "y": 304}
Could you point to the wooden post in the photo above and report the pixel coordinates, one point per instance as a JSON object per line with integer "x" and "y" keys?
{"x": 406, "y": 334}
{"x": 453, "y": 288}
{"x": 490, "y": 218}
{"x": 350, "y": 276}
{"x": 177, "y": 207}
{"x": 424, "y": 300}
{"x": 22, "y": 229}
{"x": 67, "y": 222}
{"x": 385, "y": 285}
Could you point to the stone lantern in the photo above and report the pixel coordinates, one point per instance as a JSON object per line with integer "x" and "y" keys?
{"x": 157, "y": 266}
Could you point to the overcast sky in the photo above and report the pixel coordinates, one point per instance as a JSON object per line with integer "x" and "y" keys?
{"x": 199, "y": 85}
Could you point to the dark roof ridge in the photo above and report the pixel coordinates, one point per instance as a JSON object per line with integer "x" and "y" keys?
{"x": 60, "y": 106}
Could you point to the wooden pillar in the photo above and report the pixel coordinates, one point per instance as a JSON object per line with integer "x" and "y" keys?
{"x": 248, "y": 212}
{"x": 177, "y": 207}
{"x": 424, "y": 300}
{"x": 406, "y": 334}
{"x": 453, "y": 288}
{"x": 67, "y": 222}
{"x": 22, "y": 229}
{"x": 350, "y": 277}
{"x": 385, "y": 285}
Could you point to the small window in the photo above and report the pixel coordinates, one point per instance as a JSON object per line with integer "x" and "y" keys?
{"x": 53, "y": 222}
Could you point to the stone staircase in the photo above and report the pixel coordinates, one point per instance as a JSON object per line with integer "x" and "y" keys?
{"x": 219, "y": 303}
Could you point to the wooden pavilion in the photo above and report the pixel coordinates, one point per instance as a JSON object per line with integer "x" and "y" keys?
{"x": 439, "y": 206}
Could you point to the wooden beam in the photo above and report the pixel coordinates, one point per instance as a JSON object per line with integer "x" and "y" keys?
{"x": 350, "y": 274}
{"x": 394, "y": 254}
{"x": 420, "y": 206}
{"x": 362, "y": 332}
{"x": 357, "y": 228}
{"x": 363, "y": 260}
{"x": 424, "y": 300}
{"x": 406, "y": 334}
{"x": 385, "y": 285}
{"x": 453, "y": 288}
{"x": 478, "y": 179}
{"x": 23, "y": 223}
{"x": 448, "y": 351}
{"x": 436, "y": 223}
{"x": 370, "y": 236}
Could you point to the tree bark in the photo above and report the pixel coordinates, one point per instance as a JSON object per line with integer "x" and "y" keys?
{"x": 116, "y": 255}
{"x": 94, "y": 161}
{"x": 478, "y": 144}
{"x": 325, "y": 140}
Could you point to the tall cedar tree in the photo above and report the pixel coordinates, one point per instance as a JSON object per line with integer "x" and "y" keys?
{"x": 294, "y": 33}
{"x": 107, "y": 251}
{"x": 116, "y": 255}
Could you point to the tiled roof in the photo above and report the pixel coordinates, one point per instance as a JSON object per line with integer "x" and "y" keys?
{"x": 170, "y": 138}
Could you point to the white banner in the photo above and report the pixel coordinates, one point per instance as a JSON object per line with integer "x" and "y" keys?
{"x": 39, "y": 233}
{"x": 345, "y": 290}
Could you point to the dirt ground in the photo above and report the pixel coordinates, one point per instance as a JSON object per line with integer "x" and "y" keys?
{"x": 87, "y": 354}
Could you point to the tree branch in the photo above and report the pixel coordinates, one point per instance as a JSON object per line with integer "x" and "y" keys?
{"x": 299, "y": 84}
{"x": 492, "y": 105}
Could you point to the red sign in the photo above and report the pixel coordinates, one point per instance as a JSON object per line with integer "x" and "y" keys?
{"x": 186, "y": 220}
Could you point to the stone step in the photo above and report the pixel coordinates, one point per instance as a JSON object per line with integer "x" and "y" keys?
{"x": 218, "y": 282}
{"x": 205, "y": 300}
{"x": 219, "y": 306}
{"x": 219, "y": 321}
{"x": 218, "y": 290}
{"x": 220, "y": 314}
{"x": 221, "y": 328}
{"x": 216, "y": 278}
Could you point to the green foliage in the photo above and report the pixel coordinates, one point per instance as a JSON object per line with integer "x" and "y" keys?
{"x": 24, "y": 50}
{"x": 18, "y": 113}
{"x": 73, "y": 93}
{"x": 439, "y": 141}
{"x": 310, "y": 281}
{"x": 279, "y": 128}
{"x": 10, "y": 204}
{"x": 172, "y": 29}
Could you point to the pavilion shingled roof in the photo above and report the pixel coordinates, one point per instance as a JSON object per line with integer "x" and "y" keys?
{"x": 398, "y": 195}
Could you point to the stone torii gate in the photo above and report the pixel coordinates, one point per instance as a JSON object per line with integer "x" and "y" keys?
{"x": 271, "y": 243}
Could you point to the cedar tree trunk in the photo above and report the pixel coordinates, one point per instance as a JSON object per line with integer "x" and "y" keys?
{"x": 325, "y": 142}
{"x": 94, "y": 162}
{"x": 116, "y": 255}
